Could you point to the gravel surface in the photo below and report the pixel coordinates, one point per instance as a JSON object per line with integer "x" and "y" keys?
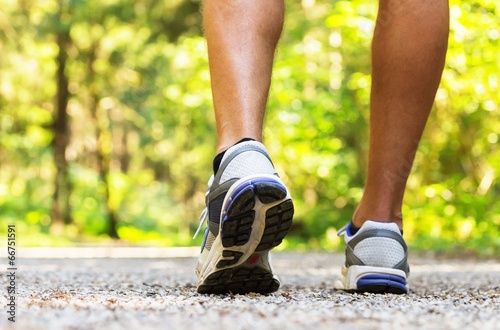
{"x": 159, "y": 293}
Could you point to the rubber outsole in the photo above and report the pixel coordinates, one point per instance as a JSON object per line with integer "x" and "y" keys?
{"x": 380, "y": 283}
{"x": 372, "y": 279}
{"x": 240, "y": 280}
{"x": 236, "y": 229}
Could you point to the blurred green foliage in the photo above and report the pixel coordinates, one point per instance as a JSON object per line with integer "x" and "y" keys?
{"x": 153, "y": 89}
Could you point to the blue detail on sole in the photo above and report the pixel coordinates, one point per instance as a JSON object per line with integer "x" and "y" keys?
{"x": 252, "y": 183}
{"x": 382, "y": 283}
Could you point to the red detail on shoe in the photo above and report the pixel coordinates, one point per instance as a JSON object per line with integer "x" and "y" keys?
{"x": 253, "y": 259}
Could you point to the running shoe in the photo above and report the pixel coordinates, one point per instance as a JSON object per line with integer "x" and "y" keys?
{"x": 376, "y": 259}
{"x": 249, "y": 212}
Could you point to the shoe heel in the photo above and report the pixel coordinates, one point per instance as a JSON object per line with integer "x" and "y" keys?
{"x": 382, "y": 283}
{"x": 375, "y": 280}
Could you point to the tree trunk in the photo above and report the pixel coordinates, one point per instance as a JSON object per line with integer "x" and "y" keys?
{"x": 61, "y": 207}
{"x": 121, "y": 159}
{"x": 124, "y": 155}
{"x": 104, "y": 144}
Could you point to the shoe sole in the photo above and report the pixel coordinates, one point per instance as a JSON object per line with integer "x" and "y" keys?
{"x": 257, "y": 215}
{"x": 372, "y": 280}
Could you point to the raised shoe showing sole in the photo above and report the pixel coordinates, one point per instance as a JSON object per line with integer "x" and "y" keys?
{"x": 255, "y": 215}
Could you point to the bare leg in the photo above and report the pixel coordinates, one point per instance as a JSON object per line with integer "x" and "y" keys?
{"x": 408, "y": 53}
{"x": 241, "y": 37}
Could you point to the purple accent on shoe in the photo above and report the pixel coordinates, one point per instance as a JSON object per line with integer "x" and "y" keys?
{"x": 351, "y": 229}
{"x": 382, "y": 283}
{"x": 251, "y": 183}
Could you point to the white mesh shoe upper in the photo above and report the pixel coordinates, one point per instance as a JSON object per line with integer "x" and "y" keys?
{"x": 379, "y": 252}
{"x": 247, "y": 162}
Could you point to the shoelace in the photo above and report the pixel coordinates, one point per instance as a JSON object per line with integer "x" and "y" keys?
{"x": 342, "y": 231}
{"x": 203, "y": 218}
{"x": 204, "y": 213}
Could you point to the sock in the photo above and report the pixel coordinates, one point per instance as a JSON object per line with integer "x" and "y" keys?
{"x": 218, "y": 158}
{"x": 217, "y": 161}
{"x": 353, "y": 229}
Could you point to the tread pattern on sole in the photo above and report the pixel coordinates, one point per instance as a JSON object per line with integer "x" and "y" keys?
{"x": 228, "y": 262}
{"x": 238, "y": 221}
{"x": 278, "y": 224}
{"x": 240, "y": 280}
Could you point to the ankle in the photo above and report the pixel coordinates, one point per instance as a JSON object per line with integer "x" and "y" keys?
{"x": 218, "y": 158}
{"x": 227, "y": 141}
{"x": 378, "y": 214}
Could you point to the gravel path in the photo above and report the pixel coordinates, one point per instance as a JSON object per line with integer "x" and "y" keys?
{"x": 159, "y": 293}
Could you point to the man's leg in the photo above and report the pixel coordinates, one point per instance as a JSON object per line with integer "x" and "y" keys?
{"x": 241, "y": 37}
{"x": 408, "y": 54}
{"x": 249, "y": 209}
